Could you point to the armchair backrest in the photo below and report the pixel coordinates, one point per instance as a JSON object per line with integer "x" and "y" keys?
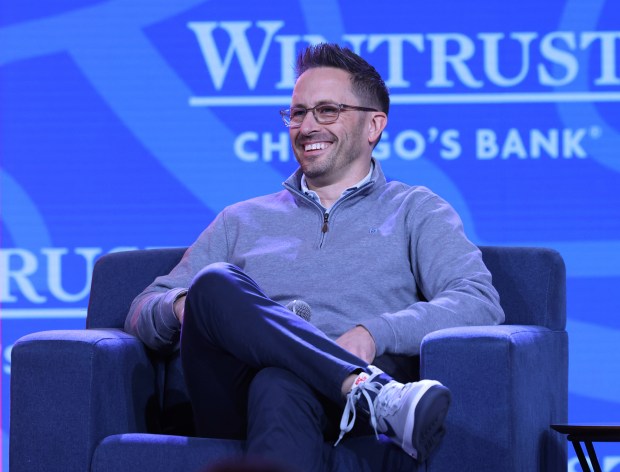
{"x": 119, "y": 277}
{"x": 531, "y": 283}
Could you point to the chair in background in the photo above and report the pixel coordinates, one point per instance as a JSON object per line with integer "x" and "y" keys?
{"x": 96, "y": 400}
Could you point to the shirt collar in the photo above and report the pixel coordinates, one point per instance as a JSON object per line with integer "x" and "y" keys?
{"x": 312, "y": 194}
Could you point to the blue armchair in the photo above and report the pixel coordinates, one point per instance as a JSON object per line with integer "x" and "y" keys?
{"x": 96, "y": 400}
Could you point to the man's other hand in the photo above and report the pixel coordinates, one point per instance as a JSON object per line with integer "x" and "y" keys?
{"x": 358, "y": 341}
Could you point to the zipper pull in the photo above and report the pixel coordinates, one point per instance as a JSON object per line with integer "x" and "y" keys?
{"x": 325, "y": 225}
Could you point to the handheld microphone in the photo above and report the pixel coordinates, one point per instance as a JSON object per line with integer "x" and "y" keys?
{"x": 301, "y": 309}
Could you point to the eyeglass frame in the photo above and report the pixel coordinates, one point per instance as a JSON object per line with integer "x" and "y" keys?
{"x": 341, "y": 107}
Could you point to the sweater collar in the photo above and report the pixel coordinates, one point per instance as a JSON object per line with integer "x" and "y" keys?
{"x": 377, "y": 177}
{"x": 315, "y": 196}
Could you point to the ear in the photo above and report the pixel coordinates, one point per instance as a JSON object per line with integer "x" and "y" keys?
{"x": 376, "y": 125}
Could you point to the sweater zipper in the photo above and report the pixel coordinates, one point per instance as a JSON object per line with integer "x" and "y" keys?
{"x": 325, "y": 226}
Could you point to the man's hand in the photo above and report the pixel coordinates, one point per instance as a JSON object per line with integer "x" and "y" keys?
{"x": 179, "y": 308}
{"x": 358, "y": 341}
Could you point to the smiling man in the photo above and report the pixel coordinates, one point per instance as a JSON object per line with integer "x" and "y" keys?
{"x": 334, "y": 157}
{"x": 380, "y": 264}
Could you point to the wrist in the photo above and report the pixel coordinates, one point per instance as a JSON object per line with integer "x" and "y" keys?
{"x": 178, "y": 306}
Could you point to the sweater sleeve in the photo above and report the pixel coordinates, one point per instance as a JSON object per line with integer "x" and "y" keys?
{"x": 151, "y": 317}
{"x": 454, "y": 284}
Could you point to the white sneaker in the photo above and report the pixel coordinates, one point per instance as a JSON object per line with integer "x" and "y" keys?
{"x": 411, "y": 414}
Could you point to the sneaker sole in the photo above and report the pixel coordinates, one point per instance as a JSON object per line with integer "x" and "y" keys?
{"x": 427, "y": 428}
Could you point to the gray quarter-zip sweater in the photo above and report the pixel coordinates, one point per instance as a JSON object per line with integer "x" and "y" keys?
{"x": 388, "y": 256}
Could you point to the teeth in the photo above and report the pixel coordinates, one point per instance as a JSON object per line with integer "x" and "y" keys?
{"x": 315, "y": 146}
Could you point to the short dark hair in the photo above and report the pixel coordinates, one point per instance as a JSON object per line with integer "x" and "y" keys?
{"x": 366, "y": 81}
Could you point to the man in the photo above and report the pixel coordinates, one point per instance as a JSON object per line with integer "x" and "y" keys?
{"x": 380, "y": 264}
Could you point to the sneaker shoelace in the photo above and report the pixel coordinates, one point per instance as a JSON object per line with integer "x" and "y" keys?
{"x": 390, "y": 399}
{"x": 363, "y": 389}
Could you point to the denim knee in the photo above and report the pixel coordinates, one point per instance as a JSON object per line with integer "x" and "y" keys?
{"x": 214, "y": 277}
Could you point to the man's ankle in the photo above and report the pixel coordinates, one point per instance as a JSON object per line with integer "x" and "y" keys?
{"x": 357, "y": 377}
{"x": 347, "y": 385}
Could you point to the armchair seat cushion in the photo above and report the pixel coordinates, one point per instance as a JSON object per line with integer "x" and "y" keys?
{"x": 163, "y": 453}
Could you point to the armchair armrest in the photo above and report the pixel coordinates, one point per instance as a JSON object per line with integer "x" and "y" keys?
{"x": 71, "y": 389}
{"x": 508, "y": 383}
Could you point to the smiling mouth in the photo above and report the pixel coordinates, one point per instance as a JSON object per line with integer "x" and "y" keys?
{"x": 315, "y": 146}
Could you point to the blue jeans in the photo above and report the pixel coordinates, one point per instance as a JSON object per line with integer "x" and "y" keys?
{"x": 255, "y": 370}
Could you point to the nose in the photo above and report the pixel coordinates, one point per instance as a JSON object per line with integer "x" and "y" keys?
{"x": 309, "y": 124}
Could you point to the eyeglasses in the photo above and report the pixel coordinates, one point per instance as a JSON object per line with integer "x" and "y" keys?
{"x": 323, "y": 114}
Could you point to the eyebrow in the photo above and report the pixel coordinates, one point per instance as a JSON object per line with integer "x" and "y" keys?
{"x": 320, "y": 102}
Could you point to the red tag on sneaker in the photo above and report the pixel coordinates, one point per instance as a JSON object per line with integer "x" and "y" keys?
{"x": 361, "y": 378}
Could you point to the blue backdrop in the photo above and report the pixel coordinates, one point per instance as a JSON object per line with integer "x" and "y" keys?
{"x": 131, "y": 123}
